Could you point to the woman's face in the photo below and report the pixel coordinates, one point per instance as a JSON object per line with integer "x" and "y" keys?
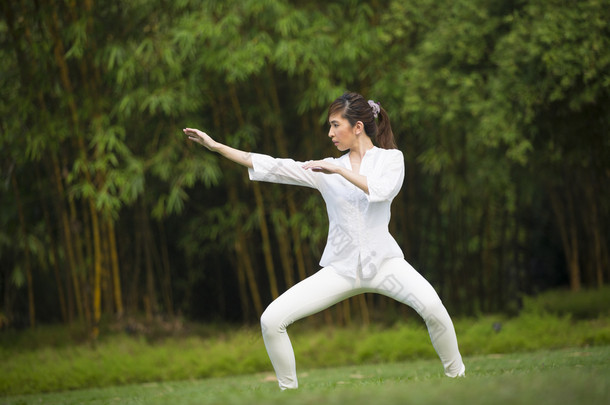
{"x": 341, "y": 133}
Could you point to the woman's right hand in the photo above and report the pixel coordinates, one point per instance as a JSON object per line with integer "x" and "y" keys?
{"x": 236, "y": 155}
{"x": 201, "y": 138}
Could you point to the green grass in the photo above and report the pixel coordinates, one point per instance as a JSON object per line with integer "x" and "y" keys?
{"x": 55, "y": 358}
{"x": 28, "y": 366}
{"x": 566, "y": 376}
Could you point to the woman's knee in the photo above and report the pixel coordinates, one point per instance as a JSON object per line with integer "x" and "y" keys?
{"x": 271, "y": 321}
{"x": 432, "y": 309}
{"x": 266, "y": 321}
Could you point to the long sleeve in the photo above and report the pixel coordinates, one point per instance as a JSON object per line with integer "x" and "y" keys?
{"x": 386, "y": 177}
{"x": 283, "y": 171}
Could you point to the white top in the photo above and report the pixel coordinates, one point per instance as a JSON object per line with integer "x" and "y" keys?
{"x": 358, "y": 235}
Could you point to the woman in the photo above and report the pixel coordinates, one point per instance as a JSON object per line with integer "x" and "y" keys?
{"x": 360, "y": 255}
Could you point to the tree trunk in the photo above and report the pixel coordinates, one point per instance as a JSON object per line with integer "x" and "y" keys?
{"x": 107, "y": 288}
{"x": 166, "y": 285}
{"x": 283, "y": 240}
{"x": 26, "y": 252}
{"x": 68, "y": 239}
{"x": 97, "y": 266}
{"x": 277, "y": 213}
{"x": 258, "y": 197}
{"x": 116, "y": 274}
{"x": 260, "y": 206}
{"x": 364, "y": 310}
{"x": 135, "y": 292}
{"x": 500, "y": 291}
{"x": 59, "y": 53}
{"x": 242, "y": 254}
{"x": 280, "y": 141}
{"x": 245, "y": 271}
{"x": 82, "y": 248}
{"x": 596, "y": 235}
{"x": 53, "y": 250}
{"x": 486, "y": 244}
{"x": 569, "y": 236}
{"x": 150, "y": 298}
{"x": 242, "y": 284}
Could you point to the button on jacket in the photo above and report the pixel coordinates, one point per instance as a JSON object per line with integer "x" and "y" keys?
{"x": 358, "y": 234}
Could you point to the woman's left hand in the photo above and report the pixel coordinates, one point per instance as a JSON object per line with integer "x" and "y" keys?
{"x": 326, "y": 167}
{"x": 321, "y": 166}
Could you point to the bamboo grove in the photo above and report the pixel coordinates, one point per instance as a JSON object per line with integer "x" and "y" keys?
{"x": 502, "y": 109}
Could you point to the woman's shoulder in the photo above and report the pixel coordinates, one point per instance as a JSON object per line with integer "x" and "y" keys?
{"x": 388, "y": 153}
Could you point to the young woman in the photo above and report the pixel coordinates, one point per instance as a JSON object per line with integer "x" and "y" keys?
{"x": 360, "y": 254}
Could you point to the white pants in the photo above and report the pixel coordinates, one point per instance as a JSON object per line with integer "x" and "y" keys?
{"x": 395, "y": 278}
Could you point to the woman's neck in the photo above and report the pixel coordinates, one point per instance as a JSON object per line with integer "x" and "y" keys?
{"x": 359, "y": 149}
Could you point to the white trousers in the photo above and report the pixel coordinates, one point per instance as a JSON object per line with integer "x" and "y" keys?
{"x": 395, "y": 278}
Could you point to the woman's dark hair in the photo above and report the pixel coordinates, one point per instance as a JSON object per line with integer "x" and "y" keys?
{"x": 353, "y": 107}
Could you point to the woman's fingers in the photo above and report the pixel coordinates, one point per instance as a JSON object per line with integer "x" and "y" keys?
{"x": 191, "y": 132}
{"x": 194, "y": 135}
{"x": 313, "y": 164}
{"x": 200, "y": 137}
{"x": 319, "y": 166}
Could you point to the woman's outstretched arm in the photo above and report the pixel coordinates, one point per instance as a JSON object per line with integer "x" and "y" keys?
{"x": 235, "y": 155}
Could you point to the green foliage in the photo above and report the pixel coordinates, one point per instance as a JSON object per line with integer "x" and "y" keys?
{"x": 526, "y": 333}
{"x": 493, "y": 102}
{"x": 586, "y": 304}
{"x": 403, "y": 342}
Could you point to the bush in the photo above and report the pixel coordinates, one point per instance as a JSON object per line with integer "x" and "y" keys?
{"x": 585, "y": 304}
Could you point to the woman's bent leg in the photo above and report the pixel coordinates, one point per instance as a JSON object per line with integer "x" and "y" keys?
{"x": 308, "y": 297}
{"x": 399, "y": 280}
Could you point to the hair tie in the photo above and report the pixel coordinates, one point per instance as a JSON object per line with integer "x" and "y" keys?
{"x": 376, "y": 107}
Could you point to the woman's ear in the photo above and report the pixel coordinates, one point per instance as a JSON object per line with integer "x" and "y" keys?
{"x": 359, "y": 127}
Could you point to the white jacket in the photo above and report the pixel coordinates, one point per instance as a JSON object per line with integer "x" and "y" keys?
{"x": 358, "y": 235}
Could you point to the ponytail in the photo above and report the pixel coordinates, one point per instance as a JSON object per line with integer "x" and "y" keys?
{"x": 385, "y": 136}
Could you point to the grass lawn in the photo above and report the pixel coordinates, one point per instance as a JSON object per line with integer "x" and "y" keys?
{"x": 565, "y": 376}
{"x": 557, "y": 350}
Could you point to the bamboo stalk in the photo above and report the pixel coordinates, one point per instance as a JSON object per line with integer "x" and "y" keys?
{"x": 134, "y": 290}
{"x": 116, "y": 274}
{"x": 594, "y": 226}
{"x": 260, "y": 206}
{"x": 245, "y": 269}
{"x": 68, "y": 239}
{"x": 53, "y": 250}
{"x": 97, "y": 260}
{"x": 279, "y": 139}
{"x": 150, "y": 299}
{"x": 107, "y": 290}
{"x": 243, "y": 289}
{"x": 166, "y": 284}
{"x": 26, "y": 252}
{"x": 568, "y": 240}
{"x": 240, "y": 250}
